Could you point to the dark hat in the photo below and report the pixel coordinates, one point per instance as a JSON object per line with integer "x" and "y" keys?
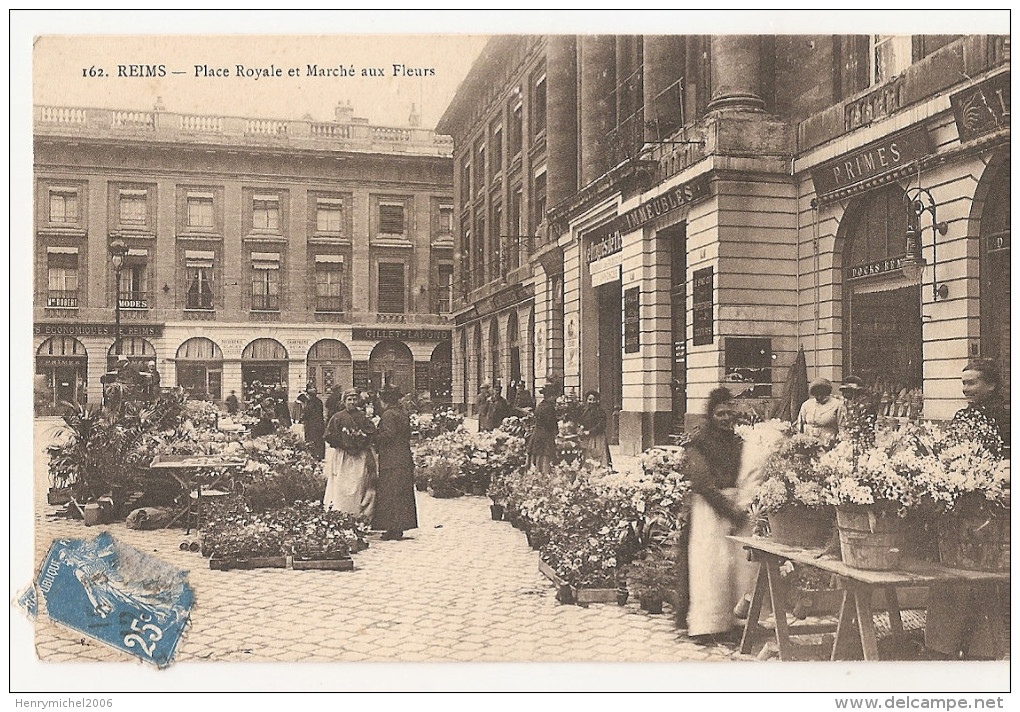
{"x": 852, "y": 383}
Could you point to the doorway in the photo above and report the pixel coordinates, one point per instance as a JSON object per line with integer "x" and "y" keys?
{"x": 610, "y": 355}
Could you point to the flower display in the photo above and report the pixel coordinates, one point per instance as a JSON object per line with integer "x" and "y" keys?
{"x": 791, "y": 475}
{"x": 468, "y": 462}
{"x": 425, "y": 426}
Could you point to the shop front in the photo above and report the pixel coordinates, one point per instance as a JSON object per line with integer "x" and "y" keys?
{"x": 62, "y": 361}
{"x": 199, "y": 366}
{"x": 264, "y": 361}
{"x": 330, "y": 364}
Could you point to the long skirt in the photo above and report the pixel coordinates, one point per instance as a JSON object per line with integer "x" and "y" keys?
{"x": 349, "y": 482}
{"x": 596, "y": 447}
{"x": 719, "y": 574}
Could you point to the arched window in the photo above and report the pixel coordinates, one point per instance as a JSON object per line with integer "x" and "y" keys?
{"x": 200, "y": 368}
{"x": 882, "y": 339}
{"x": 392, "y": 364}
{"x": 440, "y": 373}
{"x": 514, "y": 345}
{"x": 63, "y": 362}
{"x": 134, "y": 348}
{"x": 329, "y": 365}
{"x": 264, "y": 361}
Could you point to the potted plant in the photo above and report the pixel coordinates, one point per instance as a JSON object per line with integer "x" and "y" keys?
{"x": 659, "y": 575}
{"x": 791, "y": 494}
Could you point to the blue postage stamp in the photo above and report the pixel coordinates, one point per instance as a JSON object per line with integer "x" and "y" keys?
{"x": 117, "y": 595}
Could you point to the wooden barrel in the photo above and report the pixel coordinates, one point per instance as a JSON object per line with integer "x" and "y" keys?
{"x": 803, "y": 527}
{"x": 976, "y": 537}
{"x": 869, "y": 538}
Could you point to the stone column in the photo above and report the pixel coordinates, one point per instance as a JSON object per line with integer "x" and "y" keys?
{"x": 736, "y": 68}
{"x": 664, "y": 60}
{"x": 598, "y": 106}
{"x": 561, "y": 127}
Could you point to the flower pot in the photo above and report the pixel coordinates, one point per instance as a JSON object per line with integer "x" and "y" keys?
{"x": 975, "y": 536}
{"x": 802, "y": 527}
{"x": 496, "y": 511}
{"x": 869, "y": 538}
{"x": 564, "y": 593}
{"x": 421, "y": 485}
{"x": 651, "y": 604}
{"x": 622, "y": 594}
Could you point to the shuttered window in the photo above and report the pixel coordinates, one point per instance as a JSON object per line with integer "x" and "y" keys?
{"x": 391, "y": 288}
{"x": 391, "y": 219}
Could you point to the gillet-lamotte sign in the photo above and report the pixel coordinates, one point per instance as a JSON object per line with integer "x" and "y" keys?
{"x": 400, "y": 334}
{"x": 872, "y": 160}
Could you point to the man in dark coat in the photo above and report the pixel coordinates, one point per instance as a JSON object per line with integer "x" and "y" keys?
{"x": 282, "y": 408}
{"x": 499, "y": 409}
{"x": 315, "y": 424}
{"x": 232, "y": 403}
{"x": 334, "y": 402}
{"x": 542, "y": 445}
{"x": 395, "y": 510}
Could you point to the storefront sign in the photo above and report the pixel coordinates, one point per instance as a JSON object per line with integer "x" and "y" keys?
{"x": 361, "y": 377}
{"x": 632, "y": 320}
{"x": 134, "y": 303}
{"x": 673, "y": 199}
{"x": 704, "y": 306}
{"x": 982, "y": 108}
{"x": 605, "y": 276}
{"x": 505, "y": 297}
{"x": 422, "y": 371}
{"x": 62, "y": 302}
{"x": 47, "y": 329}
{"x": 400, "y": 334}
{"x": 890, "y": 264}
{"x": 607, "y": 239}
{"x": 872, "y": 160}
{"x": 61, "y": 361}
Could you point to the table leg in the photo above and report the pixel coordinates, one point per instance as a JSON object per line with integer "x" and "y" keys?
{"x": 752, "y": 627}
{"x": 866, "y": 622}
{"x": 895, "y": 619}
{"x": 778, "y": 595}
{"x": 847, "y": 643}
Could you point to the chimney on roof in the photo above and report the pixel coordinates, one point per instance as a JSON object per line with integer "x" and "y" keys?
{"x": 414, "y": 120}
{"x": 344, "y": 112}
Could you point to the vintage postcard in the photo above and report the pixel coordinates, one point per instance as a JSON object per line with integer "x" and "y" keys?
{"x": 649, "y": 351}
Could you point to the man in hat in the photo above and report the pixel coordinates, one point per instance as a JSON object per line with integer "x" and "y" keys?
{"x": 483, "y": 407}
{"x": 821, "y": 414}
{"x": 542, "y": 445}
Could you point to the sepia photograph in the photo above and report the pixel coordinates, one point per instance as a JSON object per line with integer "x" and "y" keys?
{"x": 661, "y": 351}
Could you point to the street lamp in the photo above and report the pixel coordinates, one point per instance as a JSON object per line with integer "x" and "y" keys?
{"x": 917, "y": 202}
{"x": 117, "y": 252}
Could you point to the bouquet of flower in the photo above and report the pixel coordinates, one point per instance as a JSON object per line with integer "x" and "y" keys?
{"x": 964, "y": 470}
{"x": 354, "y": 440}
{"x": 792, "y": 476}
{"x": 878, "y": 476}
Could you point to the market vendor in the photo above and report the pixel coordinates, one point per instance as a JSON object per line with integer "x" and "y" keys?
{"x": 971, "y": 621}
{"x": 822, "y": 413}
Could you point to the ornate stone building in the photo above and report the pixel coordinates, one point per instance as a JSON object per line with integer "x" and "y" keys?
{"x": 256, "y": 249}
{"x": 696, "y": 209}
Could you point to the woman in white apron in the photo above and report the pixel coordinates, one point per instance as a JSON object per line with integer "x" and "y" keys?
{"x": 350, "y": 466}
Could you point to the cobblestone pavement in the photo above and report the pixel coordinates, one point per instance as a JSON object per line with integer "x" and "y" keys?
{"x": 460, "y": 588}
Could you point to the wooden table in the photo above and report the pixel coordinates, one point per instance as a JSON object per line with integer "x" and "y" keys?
{"x": 855, "y": 629}
{"x": 185, "y": 469}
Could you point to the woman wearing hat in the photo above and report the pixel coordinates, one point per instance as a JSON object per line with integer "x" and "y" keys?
{"x": 350, "y": 465}
{"x": 822, "y": 414}
{"x": 395, "y": 510}
{"x": 592, "y": 421}
{"x": 542, "y": 446}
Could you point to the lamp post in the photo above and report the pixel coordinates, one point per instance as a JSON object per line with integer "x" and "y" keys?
{"x": 117, "y": 252}
{"x": 917, "y": 202}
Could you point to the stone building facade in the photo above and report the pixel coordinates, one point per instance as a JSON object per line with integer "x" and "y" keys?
{"x": 711, "y": 205}
{"x": 257, "y": 250}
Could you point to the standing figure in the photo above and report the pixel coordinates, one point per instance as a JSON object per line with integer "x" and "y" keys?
{"x": 350, "y": 465}
{"x": 499, "y": 410}
{"x": 542, "y": 445}
{"x": 315, "y": 425}
{"x": 719, "y": 574}
{"x": 232, "y": 403}
{"x": 821, "y": 415}
{"x": 282, "y": 408}
{"x": 483, "y": 407}
{"x": 592, "y": 421}
{"x": 153, "y": 380}
{"x": 971, "y": 621}
{"x": 334, "y": 402}
{"x": 395, "y": 510}
{"x": 524, "y": 402}
{"x": 267, "y": 422}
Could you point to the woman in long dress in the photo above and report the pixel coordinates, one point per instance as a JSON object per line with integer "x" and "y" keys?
{"x": 350, "y": 465}
{"x": 719, "y": 575}
{"x": 395, "y": 510}
{"x": 542, "y": 445}
{"x": 314, "y": 424}
{"x": 592, "y": 421}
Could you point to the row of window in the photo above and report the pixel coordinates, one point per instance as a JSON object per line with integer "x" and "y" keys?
{"x": 200, "y": 282}
{"x": 265, "y": 212}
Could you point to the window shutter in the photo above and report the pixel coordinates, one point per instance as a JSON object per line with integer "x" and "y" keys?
{"x": 391, "y": 219}
{"x": 391, "y": 288}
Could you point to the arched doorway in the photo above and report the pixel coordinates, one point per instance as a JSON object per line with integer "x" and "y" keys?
{"x": 330, "y": 364}
{"x": 882, "y": 338}
{"x": 200, "y": 368}
{"x": 391, "y": 364}
{"x": 63, "y": 361}
{"x": 264, "y": 361}
{"x": 134, "y": 348}
{"x": 513, "y": 342}
{"x": 441, "y": 373}
{"x": 995, "y": 273}
{"x": 495, "y": 357}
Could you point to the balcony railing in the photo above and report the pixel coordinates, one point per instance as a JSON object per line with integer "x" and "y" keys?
{"x": 332, "y": 304}
{"x": 265, "y": 302}
{"x": 184, "y": 128}
{"x": 62, "y": 299}
{"x": 199, "y": 300}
